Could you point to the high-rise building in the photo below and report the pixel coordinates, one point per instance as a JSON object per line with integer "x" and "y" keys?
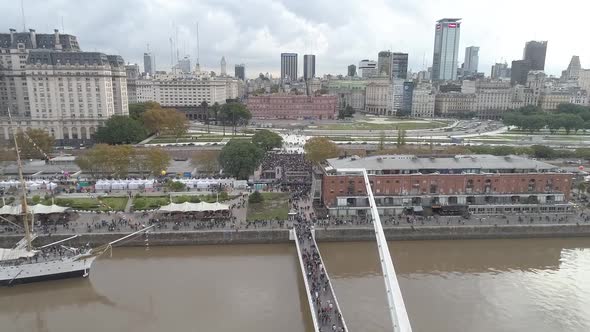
{"x": 308, "y": 66}
{"x": 288, "y": 66}
{"x": 500, "y": 70}
{"x": 574, "y": 68}
{"x": 471, "y": 60}
{"x": 184, "y": 65}
{"x": 384, "y": 63}
{"x": 240, "y": 72}
{"x": 519, "y": 72}
{"x": 351, "y": 71}
{"x": 149, "y": 64}
{"x": 223, "y": 66}
{"x": 446, "y": 49}
{"x": 535, "y": 52}
{"x": 399, "y": 65}
{"x": 49, "y": 84}
{"x": 368, "y": 68}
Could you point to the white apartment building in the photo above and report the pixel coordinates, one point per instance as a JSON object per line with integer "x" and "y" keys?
{"x": 378, "y": 97}
{"x": 170, "y": 91}
{"x": 49, "y": 84}
{"x": 397, "y": 94}
{"x": 423, "y": 99}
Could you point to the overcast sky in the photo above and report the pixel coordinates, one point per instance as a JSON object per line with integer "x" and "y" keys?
{"x": 339, "y": 32}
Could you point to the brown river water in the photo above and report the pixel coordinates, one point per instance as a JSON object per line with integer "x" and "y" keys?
{"x": 540, "y": 285}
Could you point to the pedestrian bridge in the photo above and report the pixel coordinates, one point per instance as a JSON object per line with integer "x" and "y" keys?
{"x": 325, "y": 310}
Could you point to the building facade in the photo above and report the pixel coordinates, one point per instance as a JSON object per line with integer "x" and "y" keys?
{"x": 399, "y": 65}
{"x": 308, "y": 66}
{"x": 378, "y": 97}
{"x": 455, "y": 105}
{"x": 500, "y": 70}
{"x": 519, "y": 72}
{"x": 351, "y": 71}
{"x": 476, "y": 184}
{"x": 288, "y": 67}
{"x": 284, "y": 106}
{"x": 349, "y": 92}
{"x": 223, "y": 66}
{"x": 367, "y": 68}
{"x": 423, "y": 99}
{"x": 240, "y": 72}
{"x": 446, "y": 49}
{"x": 384, "y": 64}
{"x": 184, "y": 65}
{"x": 471, "y": 62}
{"x": 174, "y": 91}
{"x": 534, "y": 53}
{"x": 49, "y": 84}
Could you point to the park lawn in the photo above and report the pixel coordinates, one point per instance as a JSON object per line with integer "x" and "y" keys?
{"x": 274, "y": 206}
{"x": 92, "y": 204}
{"x": 405, "y": 125}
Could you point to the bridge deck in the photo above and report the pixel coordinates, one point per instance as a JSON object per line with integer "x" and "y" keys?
{"x": 325, "y": 310}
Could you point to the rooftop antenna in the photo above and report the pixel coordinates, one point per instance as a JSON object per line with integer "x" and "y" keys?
{"x": 22, "y": 9}
{"x": 63, "y": 30}
{"x": 176, "y": 43}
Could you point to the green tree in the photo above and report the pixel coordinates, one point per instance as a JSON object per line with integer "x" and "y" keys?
{"x": 581, "y": 186}
{"x": 136, "y": 110}
{"x": 240, "y": 158}
{"x": 235, "y": 114}
{"x": 34, "y": 143}
{"x": 120, "y": 130}
{"x": 154, "y": 160}
{"x": 381, "y": 140}
{"x": 154, "y": 120}
{"x": 401, "y": 137}
{"x": 175, "y": 185}
{"x": 571, "y": 122}
{"x": 542, "y": 151}
{"x": 267, "y": 140}
{"x": 255, "y": 197}
{"x": 111, "y": 160}
{"x": 176, "y": 124}
{"x": 318, "y": 149}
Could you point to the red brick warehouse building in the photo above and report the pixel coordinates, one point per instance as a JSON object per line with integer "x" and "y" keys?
{"x": 480, "y": 184}
{"x": 292, "y": 107}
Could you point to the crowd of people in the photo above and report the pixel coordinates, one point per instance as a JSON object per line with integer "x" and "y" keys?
{"x": 292, "y": 168}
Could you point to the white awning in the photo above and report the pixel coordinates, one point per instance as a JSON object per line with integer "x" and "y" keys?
{"x": 193, "y": 207}
{"x": 12, "y": 254}
{"x": 34, "y": 209}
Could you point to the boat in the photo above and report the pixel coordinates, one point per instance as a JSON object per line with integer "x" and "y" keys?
{"x": 25, "y": 263}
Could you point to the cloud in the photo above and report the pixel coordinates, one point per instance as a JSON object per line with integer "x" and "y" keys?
{"x": 339, "y": 32}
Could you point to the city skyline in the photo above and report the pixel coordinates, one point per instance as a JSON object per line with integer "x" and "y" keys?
{"x": 302, "y": 27}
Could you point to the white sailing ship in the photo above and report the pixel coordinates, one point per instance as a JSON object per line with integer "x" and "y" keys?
{"x": 24, "y": 263}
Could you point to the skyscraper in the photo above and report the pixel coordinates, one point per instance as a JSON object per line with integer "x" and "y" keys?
{"x": 289, "y": 66}
{"x": 446, "y": 49}
{"x": 240, "y": 72}
{"x": 352, "y": 71}
{"x": 367, "y": 68}
{"x": 223, "y": 66}
{"x": 384, "y": 64}
{"x": 149, "y": 64}
{"x": 471, "y": 60}
{"x": 399, "y": 65}
{"x": 520, "y": 71}
{"x": 535, "y": 52}
{"x": 308, "y": 66}
{"x": 574, "y": 68}
{"x": 184, "y": 65}
{"x": 500, "y": 70}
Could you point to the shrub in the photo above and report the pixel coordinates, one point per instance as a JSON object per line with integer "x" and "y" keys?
{"x": 256, "y": 197}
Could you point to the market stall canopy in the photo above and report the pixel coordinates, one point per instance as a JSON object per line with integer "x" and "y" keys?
{"x": 33, "y": 185}
{"x": 193, "y": 207}
{"x": 35, "y": 209}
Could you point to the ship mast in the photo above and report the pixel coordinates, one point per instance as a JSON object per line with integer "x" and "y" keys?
{"x": 24, "y": 206}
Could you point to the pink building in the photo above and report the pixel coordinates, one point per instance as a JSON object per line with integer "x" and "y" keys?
{"x": 292, "y": 107}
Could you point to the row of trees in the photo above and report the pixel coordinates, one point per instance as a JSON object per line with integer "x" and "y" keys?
{"x": 118, "y": 160}
{"x": 144, "y": 119}
{"x": 568, "y": 117}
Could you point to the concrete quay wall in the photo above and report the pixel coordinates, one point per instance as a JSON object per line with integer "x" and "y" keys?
{"x": 265, "y": 236}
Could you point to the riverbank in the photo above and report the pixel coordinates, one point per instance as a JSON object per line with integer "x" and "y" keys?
{"x": 266, "y": 236}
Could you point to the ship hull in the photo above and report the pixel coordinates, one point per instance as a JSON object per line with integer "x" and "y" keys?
{"x": 52, "y": 270}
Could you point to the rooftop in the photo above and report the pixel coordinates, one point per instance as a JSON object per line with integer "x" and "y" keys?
{"x": 487, "y": 163}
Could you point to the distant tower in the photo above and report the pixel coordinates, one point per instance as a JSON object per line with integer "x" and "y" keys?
{"x": 352, "y": 71}
{"x": 223, "y": 66}
{"x": 446, "y": 49}
{"x": 308, "y": 66}
{"x": 471, "y": 60}
{"x": 289, "y": 66}
{"x": 149, "y": 64}
{"x": 574, "y": 68}
{"x": 240, "y": 72}
{"x": 535, "y": 52}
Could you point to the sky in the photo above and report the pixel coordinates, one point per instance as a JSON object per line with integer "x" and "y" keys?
{"x": 339, "y": 32}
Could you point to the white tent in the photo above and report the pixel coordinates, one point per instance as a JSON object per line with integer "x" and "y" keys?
{"x": 35, "y": 209}
{"x": 193, "y": 207}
